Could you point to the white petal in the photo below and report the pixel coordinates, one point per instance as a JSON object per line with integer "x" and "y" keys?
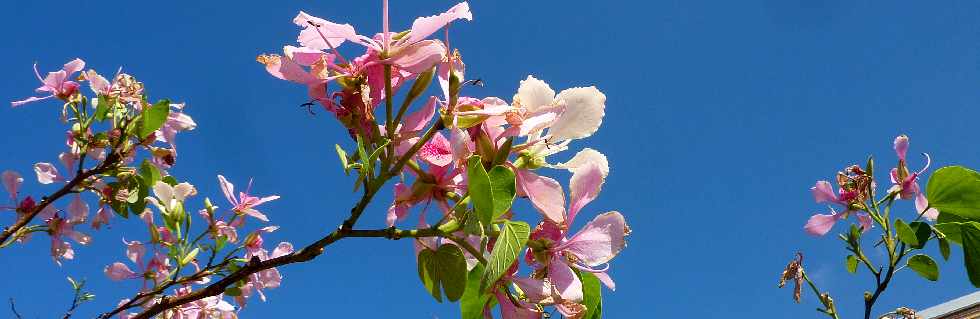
{"x": 184, "y": 190}
{"x": 584, "y": 109}
{"x": 163, "y": 191}
{"x": 535, "y": 94}
{"x": 584, "y": 157}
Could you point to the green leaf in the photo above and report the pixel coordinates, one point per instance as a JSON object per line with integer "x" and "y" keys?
{"x": 592, "y": 295}
{"x": 503, "y": 187}
{"x": 508, "y": 247}
{"x": 474, "y": 299}
{"x": 852, "y": 264}
{"x": 153, "y": 117}
{"x": 101, "y": 109}
{"x": 915, "y": 234}
{"x": 955, "y": 190}
{"x": 150, "y": 174}
{"x": 233, "y": 292}
{"x": 924, "y": 266}
{"x": 971, "y": 251}
{"x": 343, "y": 158}
{"x": 944, "y": 248}
{"x": 905, "y": 233}
{"x": 922, "y": 232}
{"x": 428, "y": 273}
{"x": 480, "y": 191}
{"x": 452, "y": 271}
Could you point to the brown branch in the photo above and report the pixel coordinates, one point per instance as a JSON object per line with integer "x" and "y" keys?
{"x": 109, "y": 162}
{"x": 304, "y": 255}
{"x": 14, "y": 309}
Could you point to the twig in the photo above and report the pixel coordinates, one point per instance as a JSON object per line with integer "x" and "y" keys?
{"x": 14, "y": 309}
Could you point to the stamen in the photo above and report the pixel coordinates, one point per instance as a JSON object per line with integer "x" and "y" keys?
{"x": 317, "y": 27}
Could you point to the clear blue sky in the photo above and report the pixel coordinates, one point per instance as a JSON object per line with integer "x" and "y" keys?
{"x": 720, "y": 116}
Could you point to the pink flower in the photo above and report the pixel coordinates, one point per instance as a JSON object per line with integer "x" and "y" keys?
{"x": 589, "y": 250}
{"x": 245, "y": 203}
{"x": 11, "y": 182}
{"x": 59, "y": 228}
{"x": 57, "y": 83}
{"x": 820, "y": 224}
{"x": 119, "y": 271}
{"x": 266, "y": 279}
{"x": 922, "y": 207}
{"x": 47, "y": 173}
{"x": 905, "y": 183}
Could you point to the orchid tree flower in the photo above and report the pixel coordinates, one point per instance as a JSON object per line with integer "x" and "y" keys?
{"x": 11, "y": 183}
{"x": 60, "y": 228}
{"x": 905, "y": 183}
{"x": 266, "y": 279}
{"x": 244, "y": 203}
{"x": 590, "y": 249}
{"x": 56, "y": 84}
{"x": 169, "y": 198}
{"x": 209, "y": 307}
{"x": 410, "y": 51}
{"x": 118, "y": 271}
{"x": 823, "y": 192}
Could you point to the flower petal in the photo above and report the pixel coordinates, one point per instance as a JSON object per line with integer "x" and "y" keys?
{"x": 585, "y": 186}
{"x": 419, "y": 57}
{"x": 823, "y": 192}
{"x": 901, "y": 146}
{"x": 534, "y": 94}
{"x": 600, "y": 240}
{"x": 47, "y": 173}
{"x": 119, "y": 271}
{"x": 11, "y": 182}
{"x": 228, "y": 189}
{"x": 584, "y": 109}
{"x": 425, "y": 26}
{"x": 545, "y": 194}
{"x": 820, "y": 224}
{"x": 565, "y": 282}
{"x": 921, "y": 203}
{"x": 334, "y": 32}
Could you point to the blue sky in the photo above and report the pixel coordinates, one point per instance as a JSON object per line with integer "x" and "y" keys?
{"x": 720, "y": 116}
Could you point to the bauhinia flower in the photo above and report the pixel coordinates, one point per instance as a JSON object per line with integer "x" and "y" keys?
{"x": 905, "y": 182}
{"x": 56, "y": 84}
{"x": 855, "y": 187}
{"x": 169, "y": 198}
{"x": 244, "y": 203}
{"x": 591, "y": 249}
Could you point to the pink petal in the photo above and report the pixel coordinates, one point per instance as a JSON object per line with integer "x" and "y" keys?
{"x": 921, "y": 203}
{"x": 47, "y": 173}
{"x": 119, "y": 271}
{"x": 11, "y": 182}
{"x": 29, "y": 100}
{"x": 901, "y": 146}
{"x": 228, "y": 189}
{"x": 824, "y": 193}
{"x": 437, "y": 151}
{"x": 458, "y": 68}
{"x": 424, "y": 27}
{"x": 419, "y": 57}
{"x": 418, "y": 120}
{"x": 545, "y": 194}
{"x": 565, "y": 281}
{"x": 536, "y": 290}
{"x": 606, "y": 280}
{"x": 135, "y": 251}
{"x": 306, "y": 56}
{"x": 74, "y": 66}
{"x": 819, "y": 224}
{"x": 865, "y": 220}
{"x": 77, "y": 210}
{"x": 508, "y": 310}
{"x": 284, "y": 248}
{"x": 334, "y": 32}
{"x": 599, "y": 241}
{"x": 585, "y": 186}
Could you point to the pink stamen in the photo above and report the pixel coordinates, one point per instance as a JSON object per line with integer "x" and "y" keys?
{"x": 384, "y": 24}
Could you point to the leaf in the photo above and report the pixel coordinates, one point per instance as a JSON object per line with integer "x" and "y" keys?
{"x": 592, "y": 292}
{"x": 474, "y": 299}
{"x": 153, "y": 117}
{"x": 480, "y": 191}
{"x": 944, "y": 248}
{"x": 924, "y": 266}
{"x": 150, "y": 174}
{"x": 955, "y": 190}
{"x": 852, "y": 264}
{"x": 509, "y": 245}
{"x": 343, "y": 158}
{"x": 905, "y": 233}
{"x": 970, "y": 233}
{"x": 503, "y": 186}
{"x": 452, "y": 271}
{"x": 922, "y": 232}
{"x": 101, "y": 109}
{"x": 428, "y": 273}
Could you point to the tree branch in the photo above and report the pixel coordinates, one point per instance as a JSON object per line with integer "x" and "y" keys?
{"x": 14, "y": 309}
{"x": 48, "y": 200}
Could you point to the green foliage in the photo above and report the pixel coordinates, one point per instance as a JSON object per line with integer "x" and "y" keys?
{"x": 924, "y": 266}
{"x": 508, "y": 247}
{"x": 852, "y": 264}
{"x": 473, "y": 300}
{"x": 915, "y": 234}
{"x": 443, "y": 270}
{"x": 153, "y": 117}
{"x": 592, "y": 295}
{"x": 971, "y": 251}
{"x": 492, "y": 193}
{"x": 955, "y": 190}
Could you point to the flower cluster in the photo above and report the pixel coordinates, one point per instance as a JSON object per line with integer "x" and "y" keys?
{"x": 109, "y": 129}
{"x": 471, "y": 157}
